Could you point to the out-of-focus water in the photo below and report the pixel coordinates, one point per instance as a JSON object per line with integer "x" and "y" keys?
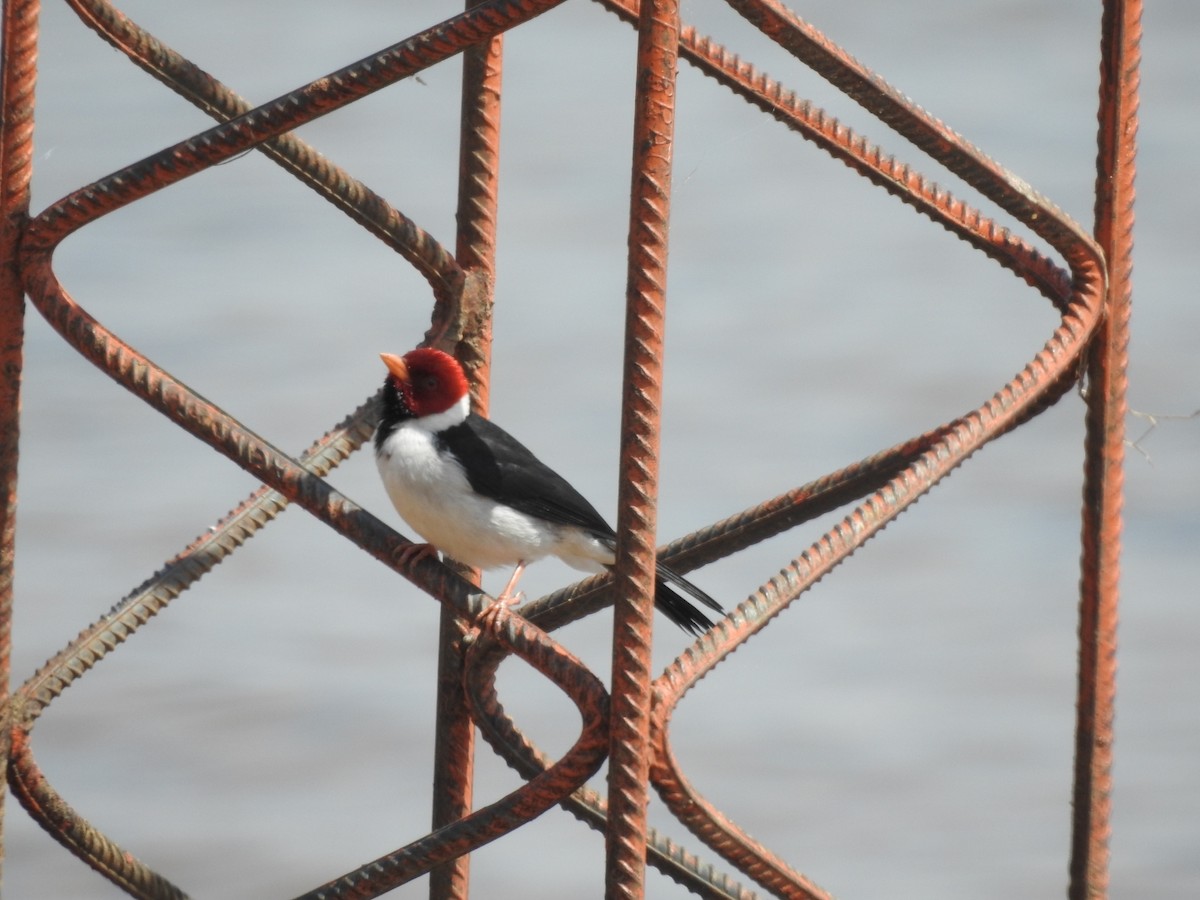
{"x": 904, "y": 729}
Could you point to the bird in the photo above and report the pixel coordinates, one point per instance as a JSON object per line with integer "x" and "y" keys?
{"x": 479, "y": 496}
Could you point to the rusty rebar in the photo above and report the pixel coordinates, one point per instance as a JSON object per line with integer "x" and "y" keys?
{"x": 483, "y": 659}
{"x": 269, "y": 120}
{"x": 18, "y": 78}
{"x": 183, "y": 570}
{"x": 527, "y": 802}
{"x": 74, "y": 832}
{"x": 348, "y": 194}
{"x": 894, "y": 479}
{"x": 1105, "y": 452}
{"x": 867, "y": 159}
{"x": 38, "y": 797}
{"x": 637, "y": 495}
{"x": 1052, "y": 380}
{"x": 478, "y": 195}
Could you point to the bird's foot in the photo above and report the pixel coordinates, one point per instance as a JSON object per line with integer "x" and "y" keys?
{"x": 410, "y": 554}
{"x": 510, "y": 600}
{"x": 504, "y": 602}
{"x": 488, "y": 619}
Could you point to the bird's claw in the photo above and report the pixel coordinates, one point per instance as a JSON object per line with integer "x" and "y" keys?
{"x": 510, "y": 601}
{"x": 411, "y": 554}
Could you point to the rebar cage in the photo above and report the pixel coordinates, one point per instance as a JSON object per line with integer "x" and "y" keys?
{"x": 626, "y": 713}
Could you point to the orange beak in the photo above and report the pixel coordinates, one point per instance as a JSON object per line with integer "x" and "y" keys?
{"x": 396, "y": 365}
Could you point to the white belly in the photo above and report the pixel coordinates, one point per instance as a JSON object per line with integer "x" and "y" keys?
{"x": 432, "y": 494}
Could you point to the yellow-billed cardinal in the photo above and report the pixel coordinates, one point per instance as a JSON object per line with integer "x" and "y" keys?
{"x": 479, "y": 496}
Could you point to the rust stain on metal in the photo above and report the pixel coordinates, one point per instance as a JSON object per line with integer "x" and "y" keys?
{"x": 631, "y": 728}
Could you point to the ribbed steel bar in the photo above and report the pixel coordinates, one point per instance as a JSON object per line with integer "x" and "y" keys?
{"x": 743, "y": 529}
{"x": 139, "y": 370}
{"x": 315, "y": 99}
{"x": 1017, "y": 198}
{"x": 720, "y": 539}
{"x": 844, "y": 144}
{"x": 76, "y": 834}
{"x": 483, "y": 659}
{"x": 232, "y": 439}
{"x": 265, "y": 462}
{"x": 478, "y": 206}
{"x": 1105, "y": 452}
{"x": 637, "y": 495}
{"x": 18, "y": 77}
{"x": 348, "y": 194}
{"x": 928, "y": 133}
{"x": 706, "y": 545}
{"x": 38, "y": 797}
{"x": 1047, "y": 377}
{"x": 522, "y": 805}
{"x": 453, "y": 755}
{"x": 703, "y": 546}
{"x": 182, "y": 571}
{"x": 478, "y": 193}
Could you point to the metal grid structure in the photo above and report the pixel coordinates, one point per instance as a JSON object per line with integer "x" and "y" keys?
{"x": 628, "y": 723}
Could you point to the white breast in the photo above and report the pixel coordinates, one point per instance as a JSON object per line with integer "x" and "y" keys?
{"x": 431, "y": 492}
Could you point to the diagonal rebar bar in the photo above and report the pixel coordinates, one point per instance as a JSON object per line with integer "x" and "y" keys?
{"x": 1091, "y": 292}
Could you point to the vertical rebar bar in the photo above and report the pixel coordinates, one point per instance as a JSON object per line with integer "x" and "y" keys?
{"x": 1105, "y": 451}
{"x": 19, "y": 74}
{"x": 629, "y": 743}
{"x": 479, "y": 154}
{"x": 650, "y": 194}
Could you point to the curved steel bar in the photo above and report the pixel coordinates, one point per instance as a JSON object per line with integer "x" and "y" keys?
{"x": 1049, "y": 375}
{"x": 38, "y": 797}
{"x": 483, "y": 658}
{"x": 1046, "y": 377}
{"x": 73, "y": 831}
{"x": 746, "y": 528}
{"x": 930, "y": 135}
{"x": 185, "y": 569}
{"x": 174, "y": 399}
{"x": 865, "y": 158}
{"x": 705, "y": 545}
{"x": 232, "y": 439}
{"x": 543, "y": 791}
{"x": 348, "y": 194}
{"x": 285, "y": 113}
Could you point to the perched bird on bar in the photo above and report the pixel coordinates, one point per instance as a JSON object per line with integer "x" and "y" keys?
{"x": 479, "y": 496}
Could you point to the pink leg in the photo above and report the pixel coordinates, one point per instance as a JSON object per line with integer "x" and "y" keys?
{"x": 507, "y": 598}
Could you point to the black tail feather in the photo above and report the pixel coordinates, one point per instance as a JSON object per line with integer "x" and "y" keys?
{"x": 677, "y": 608}
{"x": 670, "y": 576}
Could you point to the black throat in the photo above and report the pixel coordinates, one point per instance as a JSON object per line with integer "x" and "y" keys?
{"x": 392, "y": 412}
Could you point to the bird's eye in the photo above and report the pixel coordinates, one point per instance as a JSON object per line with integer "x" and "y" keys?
{"x": 427, "y": 383}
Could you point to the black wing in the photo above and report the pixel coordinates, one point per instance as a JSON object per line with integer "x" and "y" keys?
{"x": 499, "y": 466}
{"x": 502, "y": 468}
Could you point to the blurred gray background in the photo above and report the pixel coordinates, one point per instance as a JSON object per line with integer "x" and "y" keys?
{"x": 905, "y": 729}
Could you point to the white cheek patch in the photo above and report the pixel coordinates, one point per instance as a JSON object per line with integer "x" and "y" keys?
{"x": 455, "y": 415}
